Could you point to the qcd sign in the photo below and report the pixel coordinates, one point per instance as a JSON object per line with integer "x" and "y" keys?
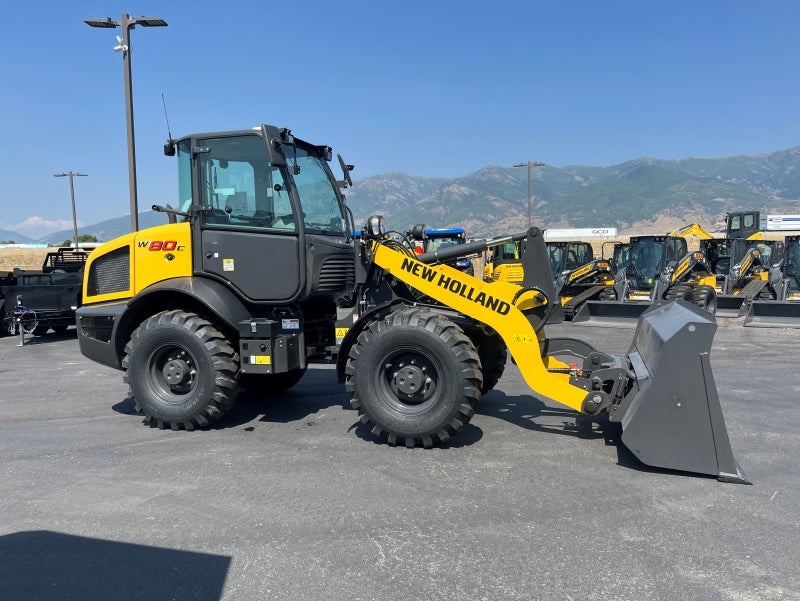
{"x": 584, "y": 232}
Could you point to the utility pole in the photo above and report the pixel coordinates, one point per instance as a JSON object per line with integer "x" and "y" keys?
{"x": 72, "y": 198}
{"x": 530, "y": 165}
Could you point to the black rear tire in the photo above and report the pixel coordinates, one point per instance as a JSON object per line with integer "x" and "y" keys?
{"x": 40, "y": 330}
{"x": 181, "y": 370}
{"x": 414, "y": 377}
{"x": 493, "y": 355}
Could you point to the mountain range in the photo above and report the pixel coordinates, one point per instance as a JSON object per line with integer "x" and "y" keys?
{"x": 643, "y": 195}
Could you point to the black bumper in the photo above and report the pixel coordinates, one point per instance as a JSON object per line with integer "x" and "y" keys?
{"x": 97, "y": 332}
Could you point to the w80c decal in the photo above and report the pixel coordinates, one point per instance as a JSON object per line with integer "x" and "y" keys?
{"x": 161, "y": 245}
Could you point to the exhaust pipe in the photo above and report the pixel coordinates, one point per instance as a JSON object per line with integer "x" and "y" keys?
{"x": 671, "y": 417}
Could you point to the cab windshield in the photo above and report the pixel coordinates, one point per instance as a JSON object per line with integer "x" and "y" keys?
{"x": 556, "y": 253}
{"x": 319, "y": 201}
{"x": 646, "y": 259}
{"x": 440, "y": 242}
{"x": 241, "y": 190}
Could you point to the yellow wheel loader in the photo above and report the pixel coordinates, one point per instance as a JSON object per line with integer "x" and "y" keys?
{"x": 242, "y": 290}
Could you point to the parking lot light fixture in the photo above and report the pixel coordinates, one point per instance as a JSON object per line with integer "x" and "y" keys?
{"x": 124, "y": 45}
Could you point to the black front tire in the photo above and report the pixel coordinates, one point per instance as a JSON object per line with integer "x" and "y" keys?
{"x": 181, "y": 370}
{"x": 414, "y": 377}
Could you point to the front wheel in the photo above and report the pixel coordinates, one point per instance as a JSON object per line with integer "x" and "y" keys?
{"x": 181, "y": 370}
{"x": 415, "y": 377}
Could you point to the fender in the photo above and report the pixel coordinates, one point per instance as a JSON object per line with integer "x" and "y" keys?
{"x": 352, "y": 334}
{"x": 216, "y": 297}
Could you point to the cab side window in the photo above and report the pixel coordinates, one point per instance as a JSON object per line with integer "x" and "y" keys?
{"x": 240, "y": 188}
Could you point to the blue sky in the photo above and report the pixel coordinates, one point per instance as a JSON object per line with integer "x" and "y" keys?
{"x": 431, "y": 88}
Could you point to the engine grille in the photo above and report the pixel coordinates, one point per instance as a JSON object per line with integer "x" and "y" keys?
{"x": 337, "y": 274}
{"x": 110, "y": 273}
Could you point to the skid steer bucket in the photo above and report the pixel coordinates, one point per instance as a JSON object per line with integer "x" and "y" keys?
{"x": 671, "y": 417}
{"x": 613, "y": 314}
{"x": 731, "y": 305}
{"x": 773, "y": 314}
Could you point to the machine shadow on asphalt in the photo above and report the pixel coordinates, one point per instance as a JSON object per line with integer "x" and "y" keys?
{"x": 43, "y": 565}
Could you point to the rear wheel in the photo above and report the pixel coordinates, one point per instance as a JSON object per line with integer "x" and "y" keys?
{"x": 40, "y": 330}
{"x": 493, "y": 355}
{"x": 60, "y": 329}
{"x": 181, "y": 370}
{"x": 705, "y": 297}
{"x": 415, "y": 377}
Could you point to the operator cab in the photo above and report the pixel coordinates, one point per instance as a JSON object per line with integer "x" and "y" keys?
{"x": 266, "y": 203}
{"x": 567, "y": 256}
{"x": 649, "y": 255}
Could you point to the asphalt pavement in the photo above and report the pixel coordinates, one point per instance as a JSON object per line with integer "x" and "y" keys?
{"x": 289, "y": 498}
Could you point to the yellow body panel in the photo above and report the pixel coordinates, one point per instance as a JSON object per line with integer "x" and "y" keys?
{"x": 709, "y": 280}
{"x": 156, "y": 254}
{"x": 161, "y": 253}
{"x": 508, "y": 272}
{"x": 491, "y": 303}
{"x": 692, "y": 229}
{"x": 581, "y": 271}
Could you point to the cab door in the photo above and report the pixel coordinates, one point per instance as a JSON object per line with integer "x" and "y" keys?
{"x": 248, "y": 234}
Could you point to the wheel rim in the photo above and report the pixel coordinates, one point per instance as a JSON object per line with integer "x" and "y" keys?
{"x": 408, "y": 381}
{"x": 172, "y": 373}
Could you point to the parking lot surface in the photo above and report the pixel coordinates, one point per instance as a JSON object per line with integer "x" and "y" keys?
{"x": 289, "y": 498}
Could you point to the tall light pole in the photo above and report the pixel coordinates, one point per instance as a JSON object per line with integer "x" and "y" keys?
{"x": 72, "y": 198}
{"x": 124, "y": 45}
{"x": 529, "y": 164}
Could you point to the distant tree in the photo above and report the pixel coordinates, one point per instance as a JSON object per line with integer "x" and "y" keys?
{"x": 81, "y": 238}
{"x": 7, "y": 242}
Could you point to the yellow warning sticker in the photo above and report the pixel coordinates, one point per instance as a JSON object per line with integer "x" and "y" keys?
{"x": 341, "y": 332}
{"x": 227, "y": 265}
{"x": 524, "y": 338}
{"x": 260, "y": 359}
